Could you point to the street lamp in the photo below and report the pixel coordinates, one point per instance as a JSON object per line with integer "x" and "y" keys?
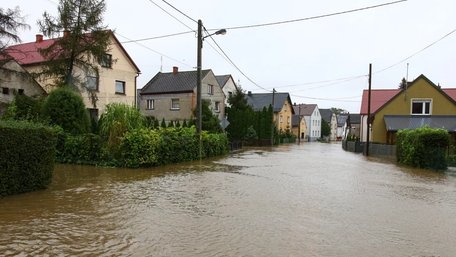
{"x": 198, "y": 78}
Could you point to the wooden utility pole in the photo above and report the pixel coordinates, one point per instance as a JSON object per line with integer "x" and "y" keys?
{"x": 272, "y": 121}
{"x": 369, "y": 109}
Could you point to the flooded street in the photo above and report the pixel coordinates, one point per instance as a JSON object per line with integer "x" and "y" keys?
{"x": 294, "y": 200}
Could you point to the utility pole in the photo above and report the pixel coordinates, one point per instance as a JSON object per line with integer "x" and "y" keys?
{"x": 299, "y": 125}
{"x": 198, "y": 86}
{"x": 272, "y": 121}
{"x": 369, "y": 109}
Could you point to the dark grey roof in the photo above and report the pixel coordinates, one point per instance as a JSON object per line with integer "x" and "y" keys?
{"x": 355, "y": 118}
{"x": 306, "y": 109}
{"x": 397, "y": 122}
{"x": 182, "y": 81}
{"x": 222, "y": 79}
{"x": 295, "y": 120}
{"x": 341, "y": 119}
{"x": 326, "y": 114}
{"x": 258, "y": 101}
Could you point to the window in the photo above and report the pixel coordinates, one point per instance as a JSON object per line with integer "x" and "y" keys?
{"x": 120, "y": 87}
{"x": 150, "y": 104}
{"x": 20, "y": 91}
{"x": 106, "y": 60}
{"x": 421, "y": 107}
{"x": 175, "y": 105}
{"x": 210, "y": 89}
{"x": 280, "y": 119}
{"x": 230, "y": 94}
{"x": 5, "y": 90}
{"x": 217, "y": 106}
{"x": 93, "y": 114}
{"x": 92, "y": 83}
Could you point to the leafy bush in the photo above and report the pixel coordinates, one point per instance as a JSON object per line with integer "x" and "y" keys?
{"x": 65, "y": 108}
{"x": 27, "y": 156}
{"x": 24, "y": 108}
{"x": 139, "y": 148}
{"x": 79, "y": 149}
{"x": 423, "y": 147}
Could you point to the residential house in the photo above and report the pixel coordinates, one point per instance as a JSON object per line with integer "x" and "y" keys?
{"x": 328, "y": 116}
{"x": 312, "y": 117}
{"x": 353, "y": 125}
{"x": 172, "y": 95}
{"x": 341, "y": 127}
{"x": 420, "y": 103}
{"x": 299, "y": 127}
{"x": 228, "y": 86}
{"x": 115, "y": 82}
{"x": 14, "y": 79}
{"x": 283, "y": 110}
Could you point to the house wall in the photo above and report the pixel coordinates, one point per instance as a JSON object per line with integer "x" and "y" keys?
{"x": 283, "y": 118}
{"x": 333, "y": 126}
{"x": 314, "y": 125}
{"x": 13, "y": 77}
{"x": 303, "y": 130}
{"x": 401, "y": 105}
{"x": 217, "y": 96}
{"x": 229, "y": 87}
{"x": 162, "y": 106}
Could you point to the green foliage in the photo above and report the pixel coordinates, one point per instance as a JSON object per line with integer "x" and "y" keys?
{"x": 241, "y": 117}
{"x": 10, "y": 21}
{"x": 424, "y": 147}
{"x": 146, "y": 148}
{"x": 184, "y": 124}
{"x": 117, "y": 120}
{"x": 325, "y": 129}
{"x": 171, "y": 124}
{"x": 163, "y": 123}
{"x": 79, "y": 149}
{"x": 65, "y": 108}
{"x": 209, "y": 121}
{"x": 24, "y": 108}
{"x": 27, "y": 156}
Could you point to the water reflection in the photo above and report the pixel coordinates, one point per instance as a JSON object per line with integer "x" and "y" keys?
{"x": 306, "y": 200}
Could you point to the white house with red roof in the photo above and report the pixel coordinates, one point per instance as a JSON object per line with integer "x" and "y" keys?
{"x": 115, "y": 82}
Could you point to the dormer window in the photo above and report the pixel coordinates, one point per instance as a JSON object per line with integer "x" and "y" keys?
{"x": 421, "y": 106}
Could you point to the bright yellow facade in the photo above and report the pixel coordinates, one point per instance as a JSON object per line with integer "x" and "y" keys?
{"x": 421, "y": 89}
{"x": 283, "y": 118}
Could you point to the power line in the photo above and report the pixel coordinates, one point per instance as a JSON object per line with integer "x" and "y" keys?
{"x": 416, "y": 53}
{"x": 314, "y": 17}
{"x": 174, "y": 17}
{"x": 180, "y": 11}
{"x": 157, "y": 37}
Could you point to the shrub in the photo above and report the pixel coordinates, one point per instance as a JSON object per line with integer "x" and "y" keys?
{"x": 139, "y": 148}
{"x": 65, "y": 108}
{"x": 423, "y": 147}
{"x": 79, "y": 149}
{"x": 214, "y": 144}
{"x": 27, "y": 156}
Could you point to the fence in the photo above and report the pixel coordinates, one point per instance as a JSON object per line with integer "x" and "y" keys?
{"x": 374, "y": 148}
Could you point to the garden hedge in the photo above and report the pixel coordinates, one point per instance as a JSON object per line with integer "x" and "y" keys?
{"x": 27, "y": 156}
{"x": 423, "y": 147}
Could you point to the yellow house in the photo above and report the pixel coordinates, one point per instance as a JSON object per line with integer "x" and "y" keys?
{"x": 281, "y": 102}
{"x": 420, "y": 103}
{"x": 115, "y": 82}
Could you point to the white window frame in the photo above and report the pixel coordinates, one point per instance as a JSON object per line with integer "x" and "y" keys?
{"x": 122, "y": 84}
{"x": 150, "y": 104}
{"x": 423, "y": 101}
{"x": 175, "y": 104}
{"x": 210, "y": 89}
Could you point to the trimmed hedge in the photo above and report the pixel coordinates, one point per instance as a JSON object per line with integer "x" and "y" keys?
{"x": 146, "y": 148}
{"x": 423, "y": 148}
{"x": 79, "y": 149}
{"x": 27, "y": 153}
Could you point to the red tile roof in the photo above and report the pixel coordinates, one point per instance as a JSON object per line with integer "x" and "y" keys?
{"x": 28, "y": 53}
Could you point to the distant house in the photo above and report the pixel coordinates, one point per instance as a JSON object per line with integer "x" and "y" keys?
{"x": 172, "y": 95}
{"x": 421, "y": 103}
{"x": 312, "y": 116}
{"x": 328, "y": 116}
{"x": 283, "y": 110}
{"x": 353, "y": 125}
{"x": 299, "y": 126}
{"x": 115, "y": 82}
{"x": 14, "y": 79}
{"x": 341, "y": 127}
{"x": 228, "y": 86}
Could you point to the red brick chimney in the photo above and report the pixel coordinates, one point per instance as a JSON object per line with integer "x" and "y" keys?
{"x": 39, "y": 38}
{"x": 175, "y": 70}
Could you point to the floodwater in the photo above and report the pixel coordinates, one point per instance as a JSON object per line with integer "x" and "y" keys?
{"x": 295, "y": 200}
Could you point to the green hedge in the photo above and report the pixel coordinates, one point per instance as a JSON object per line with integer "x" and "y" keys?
{"x": 423, "y": 148}
{"x": 146, "y": 148}
{"x": 79, "y": 149}
{"x": 27, "y": 153}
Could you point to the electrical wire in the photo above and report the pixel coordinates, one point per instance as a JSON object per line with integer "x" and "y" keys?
{"x": 180, "y": 11}
{"x": 157, "y": 37}
{"x": 313, "y": 17}
{"x": 174, "y": 17}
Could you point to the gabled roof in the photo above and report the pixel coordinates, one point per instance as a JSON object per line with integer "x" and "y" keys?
{"x": 222, "y": 79}
{"x": 261, "y": 100}
{"x": 341, "y": 119}
{"x": 354, "y": 118}
{"x": 326, "y": 114}
{"x": 380, "y": 97}
{"x": 29, "y": 54}
{"x": 170, "y": 82}
{"x": 306, "y": 109}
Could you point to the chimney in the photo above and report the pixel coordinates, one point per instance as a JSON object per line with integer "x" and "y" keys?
{"x": 249, "y": 93}
{"x": 175, "y": 70}
{"x": 66, "y": 33}
{"x": 39, "y": 38}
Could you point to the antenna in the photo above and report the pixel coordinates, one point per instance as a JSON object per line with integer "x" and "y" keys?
{"x": 161, "y": 63}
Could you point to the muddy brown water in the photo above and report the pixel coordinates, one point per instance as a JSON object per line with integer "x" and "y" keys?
{"x": 295, "y": 200}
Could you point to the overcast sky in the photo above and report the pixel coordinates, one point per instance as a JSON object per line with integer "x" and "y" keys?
{"x": 290, "y": 57}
